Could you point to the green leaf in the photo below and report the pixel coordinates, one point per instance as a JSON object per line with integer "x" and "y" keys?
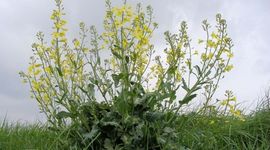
{"x": 185, "y": 87}
{"x": 59, "y": 71}
{"x": 161, "y": 140}
{"x": 198, "y": 70}
{"x": 171, "y": 95}
{"x": 196, "y": 89}
{"x": 93, "y": 80}
{"x": 168, "y": 130}
{"x": 62, "y": 97}
{"x": 110, "y": 123}
{"x": 116, "y": 78}
{"x": 117, "y": 55}
{"x": 187, "y": 99}
{"x": 127, "y": 59}
{"x": 91, "y": 88}
{"x": 92, "y": 134}
{"x": 153, "y": 116}
{"x": 63, "y": 114}
{"x": 208, "y": 73}
{"x": 205, "y": 82}
{"x": 172, "y": 69}
{"x": 137, "y": 88}
{"x": 108, "y": 144}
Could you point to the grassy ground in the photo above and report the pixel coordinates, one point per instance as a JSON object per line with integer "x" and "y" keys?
{"x": 200, "y": 132}
{"x": 196, "y": 132}
{"x": 23, "y": 136}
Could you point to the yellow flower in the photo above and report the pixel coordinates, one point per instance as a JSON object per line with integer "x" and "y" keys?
{"x": 211, "y": 44}
{"x": 46, "y": 99}
{"x": 204, "y": 57}
{"x": 63, "y": 40}
{"x": 229, "y": 54}
{"x": 31, "y": 68}
{"x": 210, "y": 55}
{"x": 214, "y": 36}
{"x": 178, "y": 76}
{"x": 224, "y": 102}
{"x": 55, "y": 14}
{"x": 76, "y": 43}
{"x": 37, "y": 72}
{"x": 237, "y": 113}
{"x": 228, "y": 68}
{"x": 48, "y": 70}
{"x": 55, "y": 35}
{"x": 36, "y": 85}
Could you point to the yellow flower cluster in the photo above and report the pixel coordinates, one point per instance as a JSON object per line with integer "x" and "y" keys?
{"x": 208, "y": 56}
{"x": 127, "y": 33}
{"x": 218, "y": 46}
{"x": 122, "y": 15}
{"x": 59, "y": 34}
{"x": 157, "y": 71}
{"x": 230, "y": 105}
{"x": 55, "y": 68}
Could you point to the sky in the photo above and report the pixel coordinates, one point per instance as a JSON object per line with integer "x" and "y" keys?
{"x": 248, "y": 25}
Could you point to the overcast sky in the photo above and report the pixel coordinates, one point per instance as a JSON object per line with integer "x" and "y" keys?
{"x": 248, "y": 25}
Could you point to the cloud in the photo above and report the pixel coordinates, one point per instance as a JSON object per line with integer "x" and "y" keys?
{"x": 248, "y": 24}
{"x": 22, "y": 110}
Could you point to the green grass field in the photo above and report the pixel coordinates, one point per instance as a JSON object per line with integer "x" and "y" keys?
{"x": 196, "y": 132}
{"x": 25, "y": 136}
{"x": 201, "y": 132}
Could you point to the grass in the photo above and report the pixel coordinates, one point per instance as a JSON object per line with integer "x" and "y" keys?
{"x": 25, "y": 136}
{"x": 201, "y": 132}
{"x": 195, "y": 132}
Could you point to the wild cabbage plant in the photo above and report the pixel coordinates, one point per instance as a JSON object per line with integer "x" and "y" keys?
{"x": 131, "y": 98}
